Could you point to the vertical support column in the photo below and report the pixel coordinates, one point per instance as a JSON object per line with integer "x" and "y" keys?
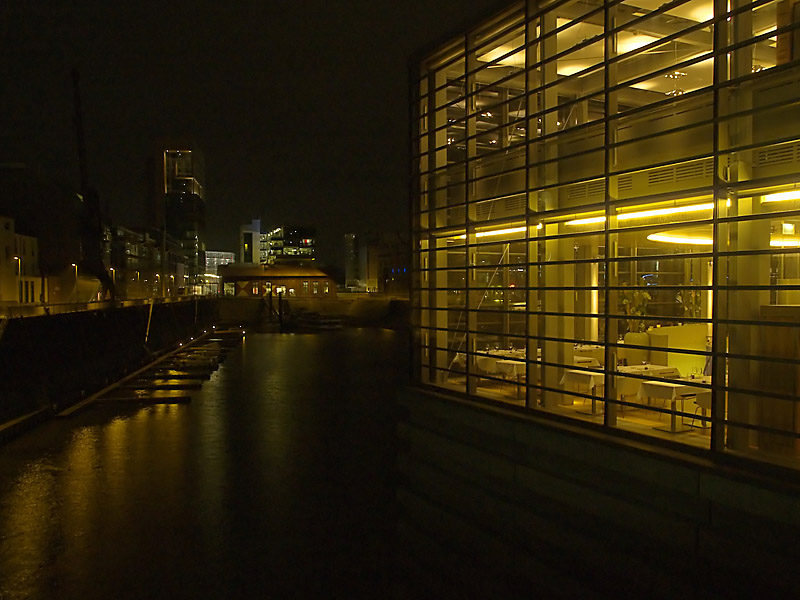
{"x": 740, "y": 270}
{"x": 440, "y": 358}
{"x": 437, "y": 128}
{"x": 611, "y": 326}
{"x": 553, "y": 351}
{"x": 586, "y": 274}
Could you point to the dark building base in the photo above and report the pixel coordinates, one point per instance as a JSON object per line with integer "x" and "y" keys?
{"x": 496, "y": 503}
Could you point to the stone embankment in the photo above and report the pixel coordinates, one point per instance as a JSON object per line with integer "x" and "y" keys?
{"x": 48, "y": 363}
{"x": 51, "y": 362}
{"x": 362, "y": 310}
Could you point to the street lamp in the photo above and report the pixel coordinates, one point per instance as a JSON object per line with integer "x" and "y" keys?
{"x": 75, "y": 291}
{"x": 19, "y": 278}
{"x": 172, "y": 285}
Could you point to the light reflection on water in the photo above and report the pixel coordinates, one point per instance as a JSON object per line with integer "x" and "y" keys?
{"x": 276, "y": 479}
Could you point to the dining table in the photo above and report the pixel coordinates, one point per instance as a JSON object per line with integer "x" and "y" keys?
{"x": 629, "y": 386}
{"x": 585, "y": 361}
{"x": 577, "y": 380}
{"x": 674, "y": 391}
{"x": 594, "y": 351}
{"x": 512, "y": 369}
{"x": 487, "y": 364}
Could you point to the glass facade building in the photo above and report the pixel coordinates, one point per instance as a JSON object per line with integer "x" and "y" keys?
{"x": 606, "y": 219}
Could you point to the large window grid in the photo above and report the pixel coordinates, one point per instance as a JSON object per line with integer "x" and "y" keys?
{"x": 645, "y": 117}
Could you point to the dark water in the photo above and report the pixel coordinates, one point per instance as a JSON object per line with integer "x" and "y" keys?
{"x": 275, "y": 482}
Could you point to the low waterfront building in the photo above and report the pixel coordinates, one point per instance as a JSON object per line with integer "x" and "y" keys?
{"x": 20, "y": 279}
{"x": 606, "y": 273}
{"x": 214, "y": 259}
{"x": 259, "y": 281}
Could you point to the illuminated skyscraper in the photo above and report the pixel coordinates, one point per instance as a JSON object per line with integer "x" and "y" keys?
{"x": 179, "y": 204}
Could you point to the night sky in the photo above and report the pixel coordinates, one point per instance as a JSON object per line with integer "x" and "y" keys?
{"x": 300, "y": 108}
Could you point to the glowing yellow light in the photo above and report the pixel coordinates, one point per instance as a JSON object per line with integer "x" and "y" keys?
{"x": 480, "y": 234}
{"x": 500, "y": 231}
{"x": 793, "y": 195}
{"x": 776, "y": 241}
{"x": 658, "y": 212}
{"x": 566, "y": 70}
{"x": 788, "y": 228}
{"x": 680, "y": 239}
{"x": 587, "y": 221}
{"x": 627, "y": 42}
{"x": 703, "y": 13}
{"x": 517, "y": 59}
{"x": 643, "y": 214}
{"x": 784, "y": 242}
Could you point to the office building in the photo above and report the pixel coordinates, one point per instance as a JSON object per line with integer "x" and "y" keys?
{"x": 279, "y": 245}
{"x": 606, "y": 262}
{"x": 376, "y": 263}
{"x": 351, "y": 261}
{"x": 142, "y": 265}
{"x": 291, "y": 244}
{"x": 180, "y": 207}
{"x": 253, "y": 243}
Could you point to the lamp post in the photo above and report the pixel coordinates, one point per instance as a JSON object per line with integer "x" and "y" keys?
{"x": 19, "y": 278}
{"x": 75, "y": 291}
{"x": 172, "y": 284}
{"x": 158, "y": 286}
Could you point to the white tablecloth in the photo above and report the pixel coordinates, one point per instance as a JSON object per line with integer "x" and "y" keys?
{"x": 513, "y": 368}
{"x": 487, "y": 364}
{"x": 629, "y": 386}
{"x": 581, "y": 381}
{"x": 589, "y": 351}
{"x": 585, "y": 361}
{"x": 672, "y": 391}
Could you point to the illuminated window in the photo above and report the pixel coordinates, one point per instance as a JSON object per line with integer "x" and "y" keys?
{"x": 588, "y": 205}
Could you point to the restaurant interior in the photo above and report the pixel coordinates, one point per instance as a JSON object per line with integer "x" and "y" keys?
{"x": 607, "y": 219}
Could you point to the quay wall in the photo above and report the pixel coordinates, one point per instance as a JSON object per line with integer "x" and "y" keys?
{"x": 504, "y": 504}
{"x": 49, "y": 362}
{"x": 354, "y": 309}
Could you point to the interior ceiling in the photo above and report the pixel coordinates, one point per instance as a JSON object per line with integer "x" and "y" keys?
{"x": 645, "y": 32}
